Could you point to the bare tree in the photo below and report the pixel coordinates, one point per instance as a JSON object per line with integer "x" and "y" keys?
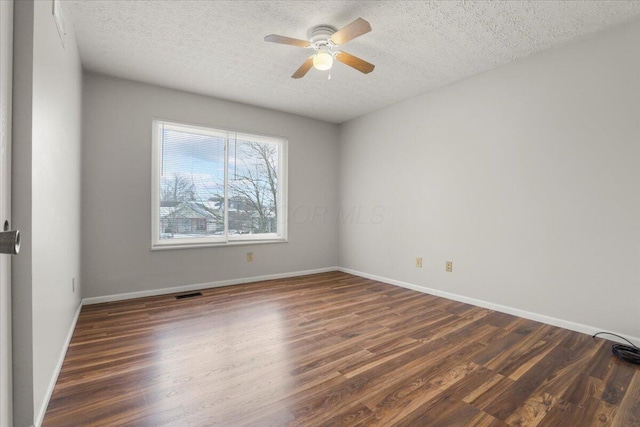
{"x": 254, "y": 185}
{"x": 177, "y": 190}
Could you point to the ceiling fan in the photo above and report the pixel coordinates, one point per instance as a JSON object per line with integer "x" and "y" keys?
{"x": 324, "y": 39}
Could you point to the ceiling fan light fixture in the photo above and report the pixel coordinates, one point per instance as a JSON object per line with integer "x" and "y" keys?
{"x": 323, "y": 60}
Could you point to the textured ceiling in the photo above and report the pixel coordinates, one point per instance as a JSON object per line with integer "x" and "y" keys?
{"x": 216, "y": 47}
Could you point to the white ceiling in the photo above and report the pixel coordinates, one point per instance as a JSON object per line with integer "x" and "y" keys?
{"x": 216, "y": 47}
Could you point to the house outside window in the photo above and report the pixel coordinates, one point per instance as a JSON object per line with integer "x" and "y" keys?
{"x": 216, "y": 187}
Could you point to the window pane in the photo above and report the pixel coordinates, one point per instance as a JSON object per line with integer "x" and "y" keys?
{"x": 214, "y": 186}
{"x": 191, "y": 184}
{"x": 253, "y": 187}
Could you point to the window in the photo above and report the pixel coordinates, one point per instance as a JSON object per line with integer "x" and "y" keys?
{"x": 216, "y": 187}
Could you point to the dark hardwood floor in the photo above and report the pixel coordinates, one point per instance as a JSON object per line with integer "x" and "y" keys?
{"x": 333, "y": 350}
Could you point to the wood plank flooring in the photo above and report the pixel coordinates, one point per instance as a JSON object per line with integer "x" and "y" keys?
{"x": 333, "y": 350}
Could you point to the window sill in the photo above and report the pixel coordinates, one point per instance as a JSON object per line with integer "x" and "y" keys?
{"x": 155, "y": 247}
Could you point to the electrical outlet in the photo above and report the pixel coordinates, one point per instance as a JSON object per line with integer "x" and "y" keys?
{"x": 73, "y": 284}
{"x": 249, "y": 256}
{"x": 449, "y": 266}
{"x": 419, "y": 262}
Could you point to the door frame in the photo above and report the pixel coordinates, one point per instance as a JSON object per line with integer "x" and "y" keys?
{"x": 6, "y": 88}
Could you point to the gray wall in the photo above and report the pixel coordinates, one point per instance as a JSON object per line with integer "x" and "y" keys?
{"x": 46, "y": 201}
{"x": 116, "y": 190}
{"x": 526, "y": 177}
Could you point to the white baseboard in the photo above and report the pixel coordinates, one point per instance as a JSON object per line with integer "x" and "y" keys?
{"x": 56, "y": 372}
{"x": 566, "y": 324}
{"x": 200, "y": 286}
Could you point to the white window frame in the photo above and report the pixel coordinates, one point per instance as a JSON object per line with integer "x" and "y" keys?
{"x": 226, "y": 239}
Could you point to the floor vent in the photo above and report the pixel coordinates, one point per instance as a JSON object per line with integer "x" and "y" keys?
{"x": 191, "y": 295}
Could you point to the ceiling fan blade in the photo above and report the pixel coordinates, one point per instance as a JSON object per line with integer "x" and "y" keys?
{"x": 355, "y": 62}
{"x": 274, "y": 38}
{"x": 304, "y": 68}
{"x": 351, "y": 31}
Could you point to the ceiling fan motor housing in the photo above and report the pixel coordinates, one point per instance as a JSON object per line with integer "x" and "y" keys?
{"x": 320, "y": 34}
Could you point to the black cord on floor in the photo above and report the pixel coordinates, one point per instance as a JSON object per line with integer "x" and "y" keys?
{"x": 627, "y": 353}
